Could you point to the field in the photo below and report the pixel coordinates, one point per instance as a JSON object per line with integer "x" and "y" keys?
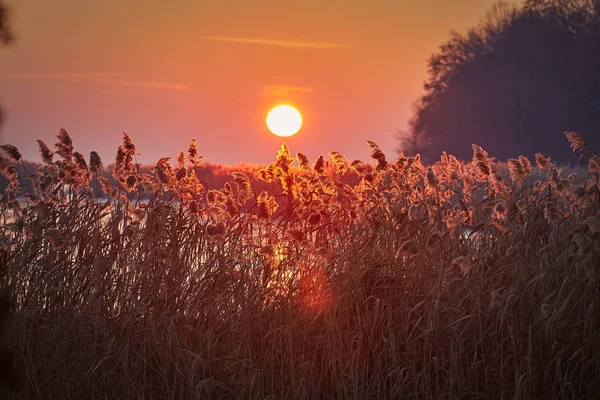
{"x": 347, "y": 280}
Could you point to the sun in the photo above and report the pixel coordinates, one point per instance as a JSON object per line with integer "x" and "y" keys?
{"x": 284, "y": 120}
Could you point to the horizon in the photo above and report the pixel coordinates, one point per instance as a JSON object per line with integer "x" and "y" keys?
{"x": 352, "y": 70}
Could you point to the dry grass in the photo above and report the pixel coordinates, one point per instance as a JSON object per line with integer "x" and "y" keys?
{"x": 414, "y": 282}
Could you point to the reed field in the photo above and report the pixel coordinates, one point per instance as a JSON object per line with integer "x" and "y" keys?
{"x": 382, "y": 279}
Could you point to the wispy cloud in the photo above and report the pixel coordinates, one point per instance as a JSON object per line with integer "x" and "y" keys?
{"x": 148, "y": 84}
{"x": 96, "y": 78}
{"x": 282, "y": 90}
{"x": 277, "y": 43}
{"x": 59, "y": 76}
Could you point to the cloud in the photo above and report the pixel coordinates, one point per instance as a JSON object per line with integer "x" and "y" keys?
{"x": 96, "y": 78}
{"x": 59, "y": 76}
{"x": 282, "y": 90}
{"x": 149, "y": 84}
{"x": 277, "y": 43}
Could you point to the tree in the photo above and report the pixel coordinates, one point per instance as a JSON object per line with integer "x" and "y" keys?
{"x": 5, "y": 35}
{"x": 513, "y": 84}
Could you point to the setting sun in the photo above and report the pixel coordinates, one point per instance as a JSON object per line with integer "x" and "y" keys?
{"x": 284, "y": 120}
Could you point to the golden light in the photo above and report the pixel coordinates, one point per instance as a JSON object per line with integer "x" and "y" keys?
{"x": 284, "y": 120}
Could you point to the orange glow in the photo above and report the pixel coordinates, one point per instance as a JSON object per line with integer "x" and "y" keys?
{"x": 284, "y": 120}
{"x": 315, "y": 292}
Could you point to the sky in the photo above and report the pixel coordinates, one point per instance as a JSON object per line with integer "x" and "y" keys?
{"x": 165, "y": 72}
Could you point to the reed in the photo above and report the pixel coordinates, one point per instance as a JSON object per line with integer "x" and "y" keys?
{"x": 348, "y": 279}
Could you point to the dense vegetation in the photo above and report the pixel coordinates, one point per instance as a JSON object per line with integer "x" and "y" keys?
{"x": 446, "y": 281}
{"x": 210, "y": 175}
{"x": 513, "y": 83}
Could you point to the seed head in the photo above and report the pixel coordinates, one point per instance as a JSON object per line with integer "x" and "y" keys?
{"x": 211, "y": 197}
{"x": 377, "y": 155}
{"x": 433, "y": 240}
{"x": 516, "y": 171}
{"x": 359, "y": 167}
{"x": 463, "y": 263}
{"x": 80, "y": 161}
{"x": 64, "y": 146}
{"x": 131, "y": 181}
{"x": 577, "y": 142}
{"x": 45, "y": 152}
{"x": 12, "y": 152}
{"x": 314, "y": 218}
{"x": 95, "y": 162}
{"x": 526, "y": 165}
{"x": 500, "y": 210}
{"x": 320, "y": 165}
{"x": 408, "y": 248}
{"x": 180, "y": 174}
{"x": 594, "y": 164}
{"x": 430, "y": 177}
{"x": 303, "y": 161}
{"x": 542, "y": 162}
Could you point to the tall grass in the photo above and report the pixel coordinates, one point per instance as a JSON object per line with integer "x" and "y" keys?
{"x": 354, "y": 281}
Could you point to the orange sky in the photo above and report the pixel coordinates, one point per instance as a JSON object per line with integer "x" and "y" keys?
{"x": 167, "y": 71}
